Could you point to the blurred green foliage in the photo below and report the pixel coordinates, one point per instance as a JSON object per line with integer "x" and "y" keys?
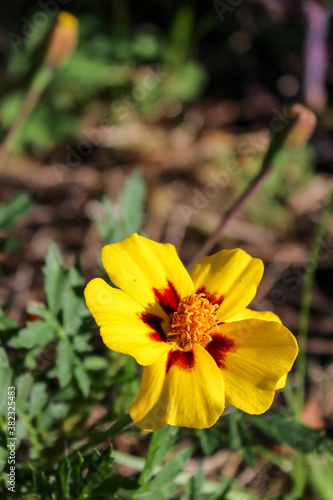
{"x": 125, "y": 217}
{"x": 137, "y": 69}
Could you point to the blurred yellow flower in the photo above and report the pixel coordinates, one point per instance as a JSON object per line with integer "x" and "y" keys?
{"x": 200, "y": 346}
{"x": 62, "y": 40}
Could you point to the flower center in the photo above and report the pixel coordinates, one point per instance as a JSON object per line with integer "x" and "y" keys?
{"x": 192, "y": 321}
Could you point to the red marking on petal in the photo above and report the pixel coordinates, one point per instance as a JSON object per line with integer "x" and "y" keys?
{"x": 219, "y": 347}
{"x": 183, "y": 360}
{"x": 33, "y": 317}
{"x": 155, "y": 323}
{"x": 214, "y": 298}
{"x": 167, "y": 298}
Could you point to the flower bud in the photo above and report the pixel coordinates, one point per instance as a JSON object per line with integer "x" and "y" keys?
{"x": 302, "y": 126}
{"x": 62, "y": 40}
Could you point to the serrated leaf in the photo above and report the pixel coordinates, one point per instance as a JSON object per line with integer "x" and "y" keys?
{"x": 99, "y": 470}
{"x": 14, "y": 209}
{"x": 64, "y": 362}
{"x": 285, "y": 430}
{"x": 55, "y": 276}
{"x": 71, "y": 480}
{"x": 36, "y": 334}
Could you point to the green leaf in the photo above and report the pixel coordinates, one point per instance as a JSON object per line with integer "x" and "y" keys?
{"x": 64, "y": 362}
{"x": 127, "y": 218}
{"x": 36, "y": 334}
{"x": 24, "y": 385}
{"x": 131, "y": 202}
{"x": 240, "y": 438}
{"x": 194, "y": 486}
{"x": 170, "y": 470}
{"x": 285, "y": 430}
{"x": 222, "y": 490}
{"x": 95, "y": 363}
{"x": 3, "y": 458}
{"x": 209, "y": 439}
{"x": 38, "y": 309}
{"x": 82, "y": 377}
{"x": 112, "y": 485}
{"x": 81, "y": 342}
{"x": 14, "y": 209}
{"x": 58, "y": 410}
{"x": 70, "y": 474}
{"x": 320, "y": 476}
{"x": 99, "y": 470}
{"x": 38, "y": 398}
{"x": 65, "y": 476}
{"x": 107, "y": 226}
{"x": 6, "y": 323}
{"x": 161, "y": 442}
{"x": 55, "y": 275}
{"x": 5, "y": 380}
{"x": 72, "y": 301}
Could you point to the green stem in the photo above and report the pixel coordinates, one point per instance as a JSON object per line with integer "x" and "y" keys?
{"x": 39, "y": 84}
{"x": 306, "y": 303}
{"x": 299, "y": 475}
{"x": 277, "y": 142}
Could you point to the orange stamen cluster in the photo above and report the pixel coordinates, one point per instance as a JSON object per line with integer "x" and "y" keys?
{"x": 192, "y": 322}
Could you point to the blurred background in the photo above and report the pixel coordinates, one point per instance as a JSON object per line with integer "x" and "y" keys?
{"x": 157, "y": 122}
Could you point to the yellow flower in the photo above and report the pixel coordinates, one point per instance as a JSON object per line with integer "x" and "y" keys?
{"x": 200, "y": 346}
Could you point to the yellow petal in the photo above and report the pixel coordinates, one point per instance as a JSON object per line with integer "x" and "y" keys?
{"x": 248, "y": 314}
{"x": 125, "y": 325}
{"x": 230, "y": 278}
{"x": 262, "y": 353}
{"x": 150, "y": 272}
{"x": 182, "y": 388}
{"x": 281, "y": 383}
{"x": 266, "y": 316}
